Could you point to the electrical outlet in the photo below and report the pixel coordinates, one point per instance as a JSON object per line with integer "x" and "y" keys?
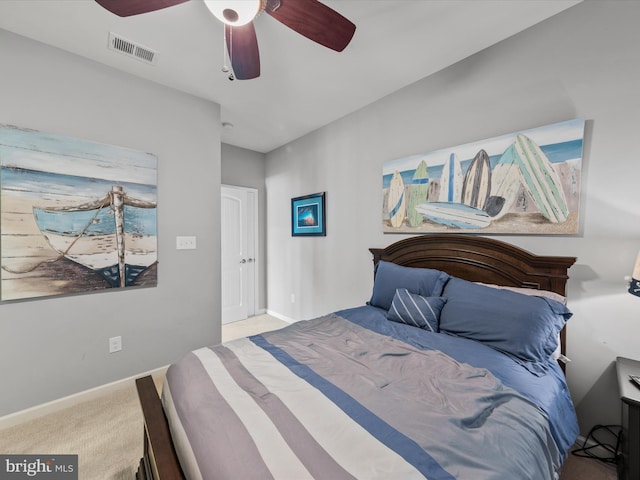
{"x": 185, "y": 243}
{"x": 293, "y": 298}
{"x": 115, "y": 344}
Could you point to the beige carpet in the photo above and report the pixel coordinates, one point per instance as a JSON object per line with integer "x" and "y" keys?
{"x": 106, "y": 432}
{"x": 576, "y": 468}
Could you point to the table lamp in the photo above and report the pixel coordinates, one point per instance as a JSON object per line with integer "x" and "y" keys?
{"x": 634, "y": 285}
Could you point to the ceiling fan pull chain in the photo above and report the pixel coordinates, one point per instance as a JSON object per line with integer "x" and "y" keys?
{"x": 227, "y": 53}
{"x": 230, "y": 51}
{"x": 225, "y": 64}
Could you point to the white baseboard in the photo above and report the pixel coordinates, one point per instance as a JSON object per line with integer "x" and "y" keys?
{"x": 281, "y": 317}
{"x": 68, "y": 401}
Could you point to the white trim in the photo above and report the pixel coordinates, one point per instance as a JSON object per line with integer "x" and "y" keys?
{"x": 256, "y": 249}
{"x": 281, "y": 317}
{"x": 53, "y": 406}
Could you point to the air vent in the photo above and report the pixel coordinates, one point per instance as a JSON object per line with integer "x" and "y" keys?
{"x": 132, "y": 49}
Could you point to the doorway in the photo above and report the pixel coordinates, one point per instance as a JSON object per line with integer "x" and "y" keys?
{"x": 239, "y": 248}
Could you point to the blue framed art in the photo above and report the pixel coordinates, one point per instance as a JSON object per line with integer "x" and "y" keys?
{"x": 308, "y": 215}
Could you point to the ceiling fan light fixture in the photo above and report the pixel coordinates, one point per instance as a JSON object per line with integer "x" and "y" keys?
{"x": 234, "y": 12}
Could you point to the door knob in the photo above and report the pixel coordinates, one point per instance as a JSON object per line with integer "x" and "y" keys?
{"x": 243, "y": 261}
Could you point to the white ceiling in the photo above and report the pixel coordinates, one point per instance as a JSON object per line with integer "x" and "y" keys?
{"x": 302, "y": 86}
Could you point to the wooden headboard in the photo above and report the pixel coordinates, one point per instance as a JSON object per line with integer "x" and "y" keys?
{"x": 480, "y": 259}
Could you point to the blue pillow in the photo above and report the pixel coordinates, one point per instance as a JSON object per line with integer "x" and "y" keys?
{"x": 390, "y": 276}
{"x": 524, "y": 327}
{"x": 416, "y": 310}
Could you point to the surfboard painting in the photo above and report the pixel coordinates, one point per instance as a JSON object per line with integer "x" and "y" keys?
{"x": 477, "y": 181}
{"x": 525, "y": 182}
{"x": 76, "y": 216}
{"x": 505, "y": 184}
{"x": 418, "y": 193}
{"x": 396, "y": 201}
{"x": 451, "y": 180}
{"x": 457, "y": 215}
{"x": 540, "y": 180}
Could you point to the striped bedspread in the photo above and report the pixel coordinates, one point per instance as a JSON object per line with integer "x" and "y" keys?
{"x": 330, "y": 399}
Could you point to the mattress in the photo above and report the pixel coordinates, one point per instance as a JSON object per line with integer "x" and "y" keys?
{"x": 353, "y": 395}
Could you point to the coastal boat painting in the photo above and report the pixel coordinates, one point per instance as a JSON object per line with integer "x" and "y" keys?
{"x": 75, "y": 216}
{"x": 526, "y": 182}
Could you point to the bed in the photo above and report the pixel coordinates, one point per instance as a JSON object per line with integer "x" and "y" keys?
{"x": 450, "y": 370}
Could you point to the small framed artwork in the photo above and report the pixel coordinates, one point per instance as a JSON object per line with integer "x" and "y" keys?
{"x": 308, "y": 215}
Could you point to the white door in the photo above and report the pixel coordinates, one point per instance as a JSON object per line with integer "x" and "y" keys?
{"x": 239, "y": 248}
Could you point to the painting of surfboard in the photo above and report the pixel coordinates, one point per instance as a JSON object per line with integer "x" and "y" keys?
{"x": 451, "y": 180}
{"x": 456, "y": 215}
{"x": 396, "y": 201}
{"x": 525, "y": 182}
{"x": 418, "y": 193}
{"x": 114, "y": 236}
{"x": 540, "y": 180}
{"x": 505, "y": 184}
{"x": 477, "y": 181}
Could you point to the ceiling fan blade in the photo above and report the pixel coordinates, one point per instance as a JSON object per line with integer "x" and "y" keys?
{"x": 313, "y": 20}
{"x": 126, "y": 8}
{"x": 242, "y": 45}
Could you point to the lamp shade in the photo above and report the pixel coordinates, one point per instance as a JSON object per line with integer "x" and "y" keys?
{"x": 634, "y": 286}
{"x": 234, "y": 12}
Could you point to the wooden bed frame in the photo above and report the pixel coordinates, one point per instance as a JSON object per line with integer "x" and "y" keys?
{"x": 477, "y": 259}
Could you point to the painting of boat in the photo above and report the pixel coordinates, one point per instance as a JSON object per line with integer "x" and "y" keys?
{"x": 526, "y": 182}
{"x": 115, "y": 235}
{"x": 76, "y": 216}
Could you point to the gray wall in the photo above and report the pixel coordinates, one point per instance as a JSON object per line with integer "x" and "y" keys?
{"x": 582, "y": 63}
{"x": 246, "y": 168}
{"x": 54, "y": 347}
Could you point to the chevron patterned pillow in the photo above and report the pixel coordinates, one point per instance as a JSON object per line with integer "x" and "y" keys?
{"x": 416, "y": 310}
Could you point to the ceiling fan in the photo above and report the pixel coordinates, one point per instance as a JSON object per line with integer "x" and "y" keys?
{"x": 309, "y": 18}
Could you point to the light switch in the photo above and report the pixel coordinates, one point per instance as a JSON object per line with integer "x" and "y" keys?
{"x": 185, "y": 243}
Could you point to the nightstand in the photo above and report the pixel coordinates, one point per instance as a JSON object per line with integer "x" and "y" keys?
{"x": 630, "y": 397}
